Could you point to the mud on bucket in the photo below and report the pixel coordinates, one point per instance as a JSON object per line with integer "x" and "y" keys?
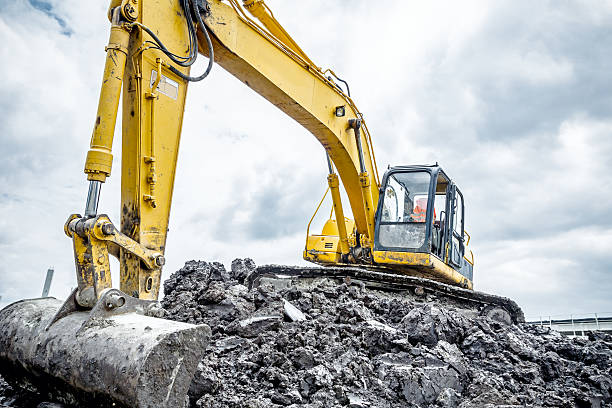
{"x": 128, "y": 359}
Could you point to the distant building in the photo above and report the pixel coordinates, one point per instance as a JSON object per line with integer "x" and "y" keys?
{"x": 577, "y": 325}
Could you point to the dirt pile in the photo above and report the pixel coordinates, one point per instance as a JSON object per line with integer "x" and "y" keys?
{"x": 328, "y": 344}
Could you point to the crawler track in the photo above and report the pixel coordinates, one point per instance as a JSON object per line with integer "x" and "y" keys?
{"x": 391, "y": 282}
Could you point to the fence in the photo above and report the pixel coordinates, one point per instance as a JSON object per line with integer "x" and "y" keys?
{"x": 576, "y": 325}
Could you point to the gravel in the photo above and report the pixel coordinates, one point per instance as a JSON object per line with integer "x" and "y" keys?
{"x": 324, "y": 343}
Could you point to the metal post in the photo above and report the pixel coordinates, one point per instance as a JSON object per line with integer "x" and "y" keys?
{"x": 48, "y": 280}
{"x": 596, "y": 321}
{"x": 573, "y": 327}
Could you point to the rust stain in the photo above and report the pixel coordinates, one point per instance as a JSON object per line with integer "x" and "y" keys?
{"x": 130, "y": 221}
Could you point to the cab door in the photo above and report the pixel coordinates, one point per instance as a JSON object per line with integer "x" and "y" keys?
{"x": 456, "y": 212}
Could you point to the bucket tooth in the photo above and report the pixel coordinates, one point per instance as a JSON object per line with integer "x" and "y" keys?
{"x": 102, "y": 357}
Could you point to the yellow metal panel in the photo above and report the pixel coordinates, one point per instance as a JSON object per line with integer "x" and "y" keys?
{"x": 151, "y": 134}
{"x": 323, "y": 249}
{"x": 426, "y": 263}
{"x": 339, "y": 223}
{"x": 402, "y": 258}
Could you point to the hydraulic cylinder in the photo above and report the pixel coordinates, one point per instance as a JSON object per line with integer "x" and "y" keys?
{"x": 334, "y": 187}
{"x": 364, "y": 181}
{"x": 99, "y": 157}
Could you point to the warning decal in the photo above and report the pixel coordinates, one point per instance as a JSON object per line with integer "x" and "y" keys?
{"x": 167, "y": 86}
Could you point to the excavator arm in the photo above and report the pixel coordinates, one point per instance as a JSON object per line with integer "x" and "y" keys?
{"x": 259, "y": 53}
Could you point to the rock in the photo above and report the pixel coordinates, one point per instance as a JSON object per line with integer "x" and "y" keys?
{"x": 420, "y": 326}
{"x": 448, "y": 398}
{"x": 302, "y": 358}
{"x": 293, "y": 313}
{"x": 378, "y": 325}
{"x": 255, "y": 325}
{"x": 355, "y": 401}
{"x": 241, "y": 269}
{"x": 205, "y": 382}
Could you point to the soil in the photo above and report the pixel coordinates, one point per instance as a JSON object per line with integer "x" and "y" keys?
{"x": 325, "y": 343}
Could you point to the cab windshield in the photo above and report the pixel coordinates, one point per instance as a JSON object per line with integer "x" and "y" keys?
{"x": 404, "y": 210}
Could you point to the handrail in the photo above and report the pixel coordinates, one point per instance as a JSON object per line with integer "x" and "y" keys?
{"x": 471, "y": 262}
{"x": 469, "y": 237}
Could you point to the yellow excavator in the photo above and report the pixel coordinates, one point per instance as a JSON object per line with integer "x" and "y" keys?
{"x": 104, "y": 343}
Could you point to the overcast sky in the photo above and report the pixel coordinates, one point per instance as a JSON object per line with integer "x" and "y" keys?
{"x": 512, "y": 98}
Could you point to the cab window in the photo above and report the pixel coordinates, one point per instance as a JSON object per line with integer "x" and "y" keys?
{"x": 404, "y": 210}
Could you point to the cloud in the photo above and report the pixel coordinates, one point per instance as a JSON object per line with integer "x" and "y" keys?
{"x": 48, "y": 9}
{"x": 573, "y": 262}
{"x": 512, "y": 98}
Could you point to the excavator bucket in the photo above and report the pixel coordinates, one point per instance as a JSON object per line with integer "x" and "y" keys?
{"x": 116, "y": 354}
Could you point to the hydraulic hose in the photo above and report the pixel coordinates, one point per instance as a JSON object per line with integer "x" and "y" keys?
{"x": 189, "y": 8}
{"x": 211, "y": 53}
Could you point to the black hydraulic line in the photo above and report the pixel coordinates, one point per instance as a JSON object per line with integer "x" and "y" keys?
{"x": 211, "y": 55}
{"x": 355, "y": 124}
{"x": 162, "y": 47}
{"x": 188, "y": 6}
{"x": 193, "y": 42}
{"x": 348, "y": 90}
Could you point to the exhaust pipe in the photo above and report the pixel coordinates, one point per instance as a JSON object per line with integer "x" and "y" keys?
{"x": 114, "y": 355}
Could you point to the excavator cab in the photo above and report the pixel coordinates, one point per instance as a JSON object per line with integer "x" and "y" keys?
{"x": 419, "y": 230}
{"x": 420, "y": 225}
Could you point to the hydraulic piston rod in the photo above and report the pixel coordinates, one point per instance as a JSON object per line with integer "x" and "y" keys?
{"x": 93, "y": 197}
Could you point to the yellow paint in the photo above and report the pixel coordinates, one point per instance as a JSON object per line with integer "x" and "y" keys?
{"x": 99, "y": 158}
{"x": 427, "y": 263}
{"x": 368, "y": 208}
{"x": 323, "y": 249}
{"x": 151, "y": 131}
